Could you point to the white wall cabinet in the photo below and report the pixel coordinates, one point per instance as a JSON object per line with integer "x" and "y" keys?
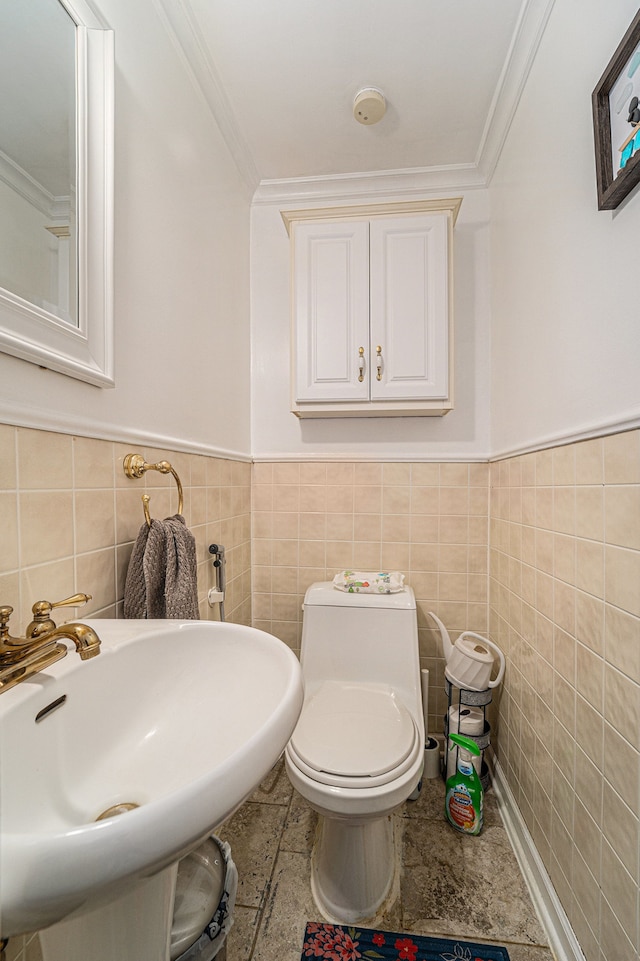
{"x": 372, "y": 309}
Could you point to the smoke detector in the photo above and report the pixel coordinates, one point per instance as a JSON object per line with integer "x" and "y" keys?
{"x": 369, "y": 105}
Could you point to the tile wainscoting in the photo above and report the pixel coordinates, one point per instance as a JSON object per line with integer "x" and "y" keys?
{"x": 70, "y": 516}
{"x": 542, "y": 550}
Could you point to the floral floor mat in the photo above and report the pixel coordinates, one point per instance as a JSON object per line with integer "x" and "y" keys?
{"x": 336, "y": 942}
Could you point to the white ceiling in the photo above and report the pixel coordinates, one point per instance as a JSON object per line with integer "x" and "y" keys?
{"x": 281, "y": 77}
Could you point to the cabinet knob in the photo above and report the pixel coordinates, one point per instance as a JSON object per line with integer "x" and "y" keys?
{"x": 379, "y": 360}
{"x": 361, "y": 363}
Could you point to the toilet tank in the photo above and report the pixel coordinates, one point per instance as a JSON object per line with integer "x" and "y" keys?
{"x": 360, "y": 637}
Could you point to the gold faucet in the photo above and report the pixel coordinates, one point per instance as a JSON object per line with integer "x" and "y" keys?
{"x": 22, "y": 657}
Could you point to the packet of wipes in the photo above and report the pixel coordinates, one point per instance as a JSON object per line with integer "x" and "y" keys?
{"x": 365, "y": 582}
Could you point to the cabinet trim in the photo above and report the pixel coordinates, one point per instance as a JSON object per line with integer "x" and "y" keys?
{"x": 367, "y": 211}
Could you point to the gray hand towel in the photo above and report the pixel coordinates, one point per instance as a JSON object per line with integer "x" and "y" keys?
{"x": 162, "y": 574}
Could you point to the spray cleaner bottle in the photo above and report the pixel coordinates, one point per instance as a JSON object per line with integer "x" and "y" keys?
{"x": 464, "y": 798}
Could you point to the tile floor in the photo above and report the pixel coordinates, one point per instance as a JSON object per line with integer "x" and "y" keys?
{"x": 450, "y": 884}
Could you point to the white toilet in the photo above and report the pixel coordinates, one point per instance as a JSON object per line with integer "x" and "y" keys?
{"x": 357, "y": 751}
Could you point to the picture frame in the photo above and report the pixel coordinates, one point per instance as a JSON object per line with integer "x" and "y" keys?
{"x": 617, "y": 139}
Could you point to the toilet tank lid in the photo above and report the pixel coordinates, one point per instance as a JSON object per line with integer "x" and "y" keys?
{"x": 324, "y": 594}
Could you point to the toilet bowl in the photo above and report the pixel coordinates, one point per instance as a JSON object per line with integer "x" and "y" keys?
{"x": 357, "y": 751}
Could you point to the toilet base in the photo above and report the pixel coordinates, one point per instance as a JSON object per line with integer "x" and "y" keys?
{"x": 352, "y": 868}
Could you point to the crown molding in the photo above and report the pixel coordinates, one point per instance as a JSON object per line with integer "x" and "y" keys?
{"x": 525, "y": 42}
{"x": 381, "y": 183}
{"x": 182, "y": 25}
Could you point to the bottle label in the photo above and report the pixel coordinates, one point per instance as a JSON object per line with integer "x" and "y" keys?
{"x": 461, "y": 811}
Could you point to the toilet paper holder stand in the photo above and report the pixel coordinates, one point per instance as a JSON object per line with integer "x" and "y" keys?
{"x": 467, "y": 698}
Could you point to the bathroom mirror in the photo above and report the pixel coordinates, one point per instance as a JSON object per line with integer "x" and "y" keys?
{"x": 56, "y": 187}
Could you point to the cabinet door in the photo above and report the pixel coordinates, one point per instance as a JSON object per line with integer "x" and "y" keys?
{"x": 409, "y": 308}
{"x": 331, "y": 311}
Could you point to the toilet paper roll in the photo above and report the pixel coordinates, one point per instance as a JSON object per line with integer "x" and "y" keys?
{"x": 431, "y": 758}
{"x": 466, "y": 720}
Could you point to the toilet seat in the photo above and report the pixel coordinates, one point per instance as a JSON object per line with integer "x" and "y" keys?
{"x": 354, "y": 735}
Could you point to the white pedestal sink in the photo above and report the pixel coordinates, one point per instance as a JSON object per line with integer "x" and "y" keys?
{"x": 182, "y": 719}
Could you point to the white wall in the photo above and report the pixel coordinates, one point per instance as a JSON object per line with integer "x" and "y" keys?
{"x": 181, "y": 266}
{"x": 461, "y": 434}
{"x": 566, "y": 331}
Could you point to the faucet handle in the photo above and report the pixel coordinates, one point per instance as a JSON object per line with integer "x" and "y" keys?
{"x": 42, "y": 622}
{"x": 41, "y": 608}
{"x": 5, "y": 613}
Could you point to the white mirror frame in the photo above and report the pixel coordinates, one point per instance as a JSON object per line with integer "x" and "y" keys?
{"x": 28, "y": 331}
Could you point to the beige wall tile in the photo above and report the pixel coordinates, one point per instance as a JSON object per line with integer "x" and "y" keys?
{"x": 97, "y": 572}
{"x": 396, "y": 500}
{"x": 396, "y": 527}
{"x": 340, "y": 500}
{"x": 590, "y": 461}
{"x": 590, "y": 621}
{"x": 395, "y": 557}
{"x": 47, "y": 582}
{"x": 590, "y": 512}
{"x": 9, "y": 558}
{"x": 621, "y": 828}
{"x": 93, "y": 463}
{"x": 311, "y": 553}
{"x": 622, "y": 579}
{"x": 45, "y": 460}
{"x": 285, "y": 553}
{"x": 454, "y": 475}
{"x": 94, "y": 519}
{"x": 590, "y": 567}
{"x": 621, "y": 766}
{"x": 622, "y": 458}
{"x": 395, "y": 475}
{"x": 564, "y": 465}
{"x": 46, "y": 526}
{"x": 286, "y": 497}
{"x": 619, "y": 890}
{"x": 8, "y": 479}
{"x": 454, "y": 500}
{"x": 367, "y": 555}
{"x": 314, "y": 474}
{"x": 590, "y": 676}
{"x": 286, "y": 474}
{"x": 622, "y": 704}
{"x": 340, "y": 475}
{"x": 544, "y": 468}
{"x": 313, "y": 526}
{"x": 425, "y": 500}
{"x": 286, "y": 524}
{"x": 367, "y": 474}
{"x": 340, "y": 526}
{"x": 622, "y": 641}
{"x": 313, "y": 497}
{"x": 368, "y": 500}
{"x": 340, "y": 555}
{"x": 622, "y": 516}
{"x": 454, "y": 529}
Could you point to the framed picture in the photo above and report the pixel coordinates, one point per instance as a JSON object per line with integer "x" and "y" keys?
{"x": 616, "y": 122}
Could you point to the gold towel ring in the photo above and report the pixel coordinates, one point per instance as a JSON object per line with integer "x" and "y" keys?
{"x": 135, "y": 466}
